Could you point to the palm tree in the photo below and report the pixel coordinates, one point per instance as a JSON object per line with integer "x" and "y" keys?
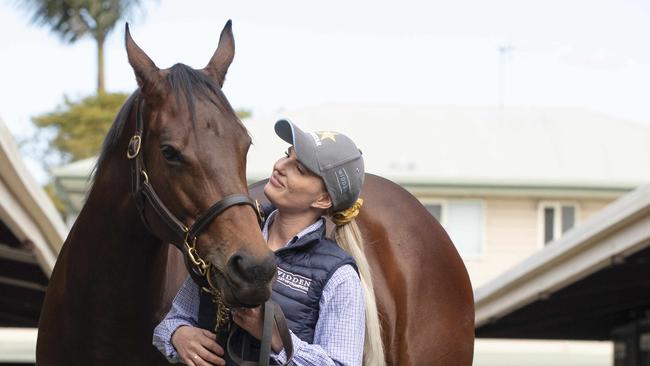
{"x": 75, "y": 19}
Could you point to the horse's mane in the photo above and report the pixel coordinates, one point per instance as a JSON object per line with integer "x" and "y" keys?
{"x": 184, "y": 81}
{"x": 114, "y": 133}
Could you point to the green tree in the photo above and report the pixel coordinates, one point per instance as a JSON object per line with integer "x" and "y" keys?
{"x": 77, "y": 129}
{"x": 75, "y": 19}
{"x": 243, "y": 113}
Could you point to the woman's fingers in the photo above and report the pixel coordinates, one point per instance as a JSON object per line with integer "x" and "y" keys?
{"x": 207, "y": 356}
{"x": 203, "y": 357}
{"x": 212, "y": 345}
{"x": 207, "y": 350}
{"x": 243, "y": 321}
{"x": 249, "y": 319}
{"x": 188, "y": 361}
{"x": 191, "y": 358}
{"x": 245, "y": 315}
{"x": 198, "y": 361}
{"x": 208, "y": 333}
{"x": 209, "y": 341}
{"x": 197, "y": 347}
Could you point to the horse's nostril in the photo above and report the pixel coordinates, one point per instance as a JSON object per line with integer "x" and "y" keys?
{"x": 245, "y": 268}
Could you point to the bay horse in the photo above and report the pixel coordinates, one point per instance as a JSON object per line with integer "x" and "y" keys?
{"x": 424, "y": 296}
{"x": 116, "y": 276}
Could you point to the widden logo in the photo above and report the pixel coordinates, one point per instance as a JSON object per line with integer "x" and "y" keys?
{"x": 343, "y": 180}
{"x": 293, "y": 281}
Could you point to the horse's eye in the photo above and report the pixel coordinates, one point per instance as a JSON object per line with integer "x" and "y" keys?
{"x": 172, "y": 155}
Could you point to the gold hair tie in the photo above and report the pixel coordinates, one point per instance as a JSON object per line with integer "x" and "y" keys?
{"x": 343, "y": 217}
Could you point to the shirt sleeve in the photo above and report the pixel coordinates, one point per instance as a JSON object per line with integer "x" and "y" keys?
{"x": 184, "y": 311}
{"x": 340, "y": 330}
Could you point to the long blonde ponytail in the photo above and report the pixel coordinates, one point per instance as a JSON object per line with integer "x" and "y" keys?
{"x": 348, "y": 237}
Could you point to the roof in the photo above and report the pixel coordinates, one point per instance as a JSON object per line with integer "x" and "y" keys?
{"x": 25, "y": 208}
{"x": 31, "y": 235}
{"x": 72, "y": 182}
{"x": 478, "y": 148}
{"x": 477, "y": 145}
{"x": 584, "y": 285}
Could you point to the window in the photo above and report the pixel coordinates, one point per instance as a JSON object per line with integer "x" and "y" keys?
{"x": 556, "y": 218}
{"x": 465, "y": 227}
{"x": 463, "y": 221}
{"x": 435, "y": 209}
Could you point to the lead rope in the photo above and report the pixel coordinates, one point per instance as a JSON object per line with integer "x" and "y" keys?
{"x": 273, "y": 317}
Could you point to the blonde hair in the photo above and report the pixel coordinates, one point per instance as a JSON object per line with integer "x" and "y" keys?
{"x": 348, "y": 237}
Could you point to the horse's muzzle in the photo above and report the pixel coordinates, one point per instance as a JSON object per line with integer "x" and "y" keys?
{"x": 250, "y": 279}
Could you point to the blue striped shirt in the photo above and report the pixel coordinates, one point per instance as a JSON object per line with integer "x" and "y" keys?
{"x": 339, "y": 333}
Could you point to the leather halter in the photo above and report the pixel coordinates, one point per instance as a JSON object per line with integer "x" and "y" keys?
{"x": 183, "y": 238}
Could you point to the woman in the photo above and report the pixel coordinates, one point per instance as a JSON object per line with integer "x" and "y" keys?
{"x": 331, "y": 310}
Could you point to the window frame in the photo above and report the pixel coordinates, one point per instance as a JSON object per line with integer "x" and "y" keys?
{"x": 437, "y": 201}
{"x": 444, "y": 213}
{"x": 557, "y": 219}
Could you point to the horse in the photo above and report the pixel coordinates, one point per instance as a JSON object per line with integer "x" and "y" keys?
{"x": 116, "y": 274}
{"x": 424, "y": 295}
{"x": 108, "y": 288}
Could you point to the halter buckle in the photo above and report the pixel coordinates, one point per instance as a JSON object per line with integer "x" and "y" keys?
{"x": 194, "y": 256}
{"x": 134, "y": 146}
{"x": 260, "y": 213}
{"x": 145, "y": 176}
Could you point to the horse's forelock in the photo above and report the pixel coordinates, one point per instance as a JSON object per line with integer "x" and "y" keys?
{"x": 185, "y": 82}
{"x": 192, "y": 84}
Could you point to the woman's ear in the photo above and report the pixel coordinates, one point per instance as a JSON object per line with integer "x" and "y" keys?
{"x": 323, "y": 202}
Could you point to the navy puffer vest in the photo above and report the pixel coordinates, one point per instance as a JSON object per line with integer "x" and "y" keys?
{"x": 304, "y": 267}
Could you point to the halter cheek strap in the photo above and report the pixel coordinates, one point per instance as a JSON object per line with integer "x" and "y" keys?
{"x": 183, "y": 238}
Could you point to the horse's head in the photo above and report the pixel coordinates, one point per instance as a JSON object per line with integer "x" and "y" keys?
{"x": 194, "y": 148}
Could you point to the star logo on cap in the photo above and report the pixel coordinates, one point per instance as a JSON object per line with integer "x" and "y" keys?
{"x": 327, "y": 135}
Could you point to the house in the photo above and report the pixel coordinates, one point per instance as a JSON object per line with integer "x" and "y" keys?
{"x": 505, "y": 183}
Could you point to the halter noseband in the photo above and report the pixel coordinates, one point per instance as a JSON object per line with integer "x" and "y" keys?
{"x": 143, "y": 193}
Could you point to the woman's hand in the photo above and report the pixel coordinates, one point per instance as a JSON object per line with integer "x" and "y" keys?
{"x": 197, "y": 347}
{"x": 252, "y": 321}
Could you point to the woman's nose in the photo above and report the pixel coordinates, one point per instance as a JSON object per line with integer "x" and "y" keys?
{"x": 281, "y": 165}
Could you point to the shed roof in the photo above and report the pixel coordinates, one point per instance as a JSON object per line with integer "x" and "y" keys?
{"x": 586, "y": 284}
{"x": 31, "y": 235}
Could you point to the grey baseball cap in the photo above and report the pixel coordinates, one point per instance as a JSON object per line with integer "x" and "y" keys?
{"x": 330, "y": 155}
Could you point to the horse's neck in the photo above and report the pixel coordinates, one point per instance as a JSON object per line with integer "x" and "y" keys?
{"x": 115, "y": 258}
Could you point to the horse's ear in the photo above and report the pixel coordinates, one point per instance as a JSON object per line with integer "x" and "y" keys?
{"x": 147, "y": 74}
{"x": 220, "y": 61}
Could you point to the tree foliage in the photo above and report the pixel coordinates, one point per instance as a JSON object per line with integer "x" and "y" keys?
{"x": 79, "y": 127}
{"x": 76, "y": 129}
{"x": 56, "y": 200}
{"x": 74, "y": 19}
{"x": 244, "y": 113}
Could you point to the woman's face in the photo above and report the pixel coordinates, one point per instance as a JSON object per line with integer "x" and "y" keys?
{"x": 293, "y": 188}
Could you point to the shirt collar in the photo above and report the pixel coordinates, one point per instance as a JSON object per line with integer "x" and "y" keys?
{"x": 308, "y": 230}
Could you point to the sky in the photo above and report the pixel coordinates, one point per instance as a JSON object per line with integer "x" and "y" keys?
{"x": 291, "y": 54}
